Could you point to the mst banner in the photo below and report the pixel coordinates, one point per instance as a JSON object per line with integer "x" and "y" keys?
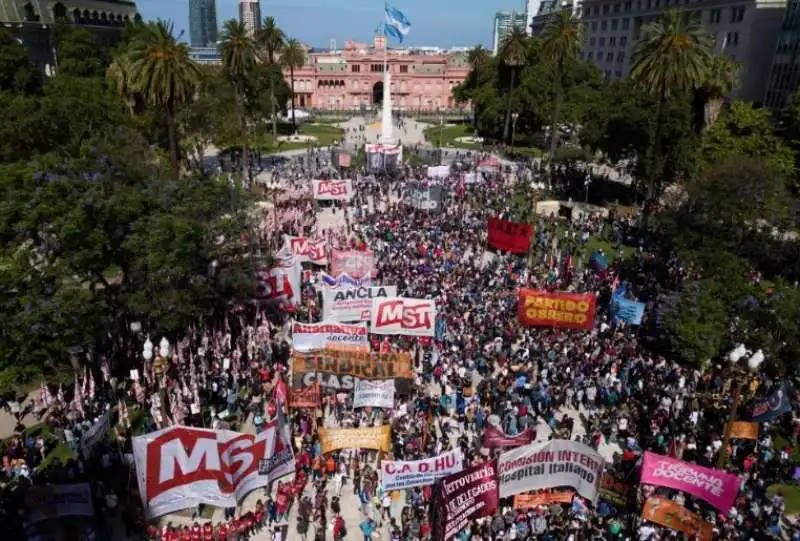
{"x": 352, "y": 303}
{"x": 510, "y": 237}
{"x": 54, "y": 501}
{"x": 376, "y": 394}
{"x": 672, "y": 515}
{"x": 539, "y": 308}
{"x": 400, "y": 475}
{"x": 493, "y": 437}
{"x": 356, "y": 263}
{"x": 466, "y": 496}
{"x": 376, "y": 437}
{"x": 402, "y": 316}
{"x": 308, "y": 250}
{"x": 333, "y": 190}
{"x": 314, "y": 336}
{"x": 551, "y": 464}
{"x": 341, "y": 370}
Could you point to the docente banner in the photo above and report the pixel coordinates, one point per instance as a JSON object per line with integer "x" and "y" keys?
{"x": 400, "y": 475}
{"x": 466, "y": 496}
{"x": 551, "y": 464}
{"x": 378, "y": 438}
{"x": 340, "y": 370}
{"x": 329, "y": 334}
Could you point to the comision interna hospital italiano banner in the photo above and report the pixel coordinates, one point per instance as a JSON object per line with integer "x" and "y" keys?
{"x": 539, "y": 308}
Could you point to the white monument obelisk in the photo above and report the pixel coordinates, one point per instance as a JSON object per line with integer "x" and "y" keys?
{"x": 386, "y": 138}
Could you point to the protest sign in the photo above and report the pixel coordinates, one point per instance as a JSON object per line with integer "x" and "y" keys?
{"x": 55, "y": 501}
{"x": 512, "y": 237}
{"x": 352, "y": 304}
{"x": 304, "y": 398}
{"x": 551, "y": 464}
{"x": 616, "y": 492}
{"x": 778, "y": 403}
{"x": 333, "y": 190}
{"x": 308, "y": 250}
{"x": 315, "y": 336}
{"x": 403, "y": 316}
{"x": 356, "y": 263}
{"x": 466, "y": 496}
{"x": 744, "y": 430}
{"x": 400, "y": 475}
{"x": 429, "y": 198}
{"x": 539, "y": 308}
{"x": 378, "y": 438}
{"x": 376, "y": 394}
{"x": 674, "y": 516}
{"x": 96, "y": 433}
{"x": 717, "y": 487}
{"x": 494, "y": 437}
{"x": 341, "y": 370}
{"x": 546, "y": 497}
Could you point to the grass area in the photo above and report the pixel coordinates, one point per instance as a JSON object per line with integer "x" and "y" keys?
{"x": 446, "y": 136}
{"x": 597, "y": 243}
{"x": 326, "y": 135}
{"x": 791, "y": 495}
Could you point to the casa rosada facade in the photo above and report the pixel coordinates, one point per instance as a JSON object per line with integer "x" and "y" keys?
{"x": 353, "y": 78}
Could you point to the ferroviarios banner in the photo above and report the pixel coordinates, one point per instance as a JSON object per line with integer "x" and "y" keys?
{"x": 466, "y": 496}
{"x": 539, "y": 308}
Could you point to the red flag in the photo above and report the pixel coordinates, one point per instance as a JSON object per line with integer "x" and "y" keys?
{"x": 279, "y": 394}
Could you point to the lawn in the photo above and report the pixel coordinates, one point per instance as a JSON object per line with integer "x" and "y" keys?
{"x": 791, "y": 495}
{"x": 446, "y": 136}
{"x": 326, "y": 135}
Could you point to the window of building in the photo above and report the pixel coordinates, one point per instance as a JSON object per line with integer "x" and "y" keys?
{"x": 355, "y": 68}
{"x": 594, "y": 26}
{"x": 617, "y": 7}
{"x": 627, "y": 6}
{"x": 737, "y": 14}
{"x": 602, "y": 42}
{"x": 607, "y": 74}
{"x": 715, "y": 16}
{"x": 612, "y": 41}
{"x": 623, "y": 41}
{"x": 600, "y": 56}
{"x": 626, "y": 24}
{"x": 620, "y": 57}
{"x": 404, "y": 69}
{"x": 609, "y": 56}
{"x": 614, "y": 24}
{"x": 606, "y": 8}
{"x": 604, "y": 26}
{"x": 591, "y": 42}
{"x": 732, "y": 39}
{"x": 649, "y": 4}
{"x": 589, "y": 55}
{"x": 638, "y": 4}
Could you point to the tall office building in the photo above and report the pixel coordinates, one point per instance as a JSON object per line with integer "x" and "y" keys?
{"x": 532, "y": 8}
{"x": 203, "y": 23}
{"x": 250, "y": 15}
{"x": 504, "y": 23}
{"x": 784, "y": 77}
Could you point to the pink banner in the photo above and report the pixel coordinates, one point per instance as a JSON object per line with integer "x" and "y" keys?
{"x": 494, "y": 437}
{"x": 717, "y": 487}
{"x": 356, "y": 263}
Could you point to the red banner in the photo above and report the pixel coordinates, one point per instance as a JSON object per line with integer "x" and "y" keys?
{"x": 510, "y": 237}
{"x": 304, "y": 398}
{"x": 466, "y": 496}
{"x": 493, "y": 437}
{"x": 538, "y": 308}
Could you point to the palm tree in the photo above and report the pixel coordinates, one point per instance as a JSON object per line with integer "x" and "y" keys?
{"x": 118, "y": 76}
{"x": 477, "y": 58}
{"x": 672, "y": 58}
{"x": 293, "y": 56}
{"x": 162, "y": 73}
{"x": 513, "y": 53}
{"x": 561, "y": 44}
{"x": 238, "y": 52}
{"x": 270, "y": 39}
{"x": 722, "y": 79}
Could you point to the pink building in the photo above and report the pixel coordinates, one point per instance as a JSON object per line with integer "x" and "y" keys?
{"x": 353, "y": 78}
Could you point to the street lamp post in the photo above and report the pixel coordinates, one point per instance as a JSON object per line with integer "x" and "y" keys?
{"x": 753, "y": 362}
{"x": 441, "y": 136}
{"x": 514, "y": 117}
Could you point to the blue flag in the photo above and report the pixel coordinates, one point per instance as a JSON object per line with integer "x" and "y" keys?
{"x": 777, "y": 404}
{"x": 625, "y": 309}
{"x": 397, "y": 25}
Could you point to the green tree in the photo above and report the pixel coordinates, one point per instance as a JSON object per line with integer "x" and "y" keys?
{"x": 293, "y": 56}
{"x": 80, "y": 54}
{"x": 562, "y": 44}
{"x": 163, "y": 74}
{"x": 671, "y": 60}
{"x": 722, "y": 79}
{"x": 513, "y": 54}
{"x": 17, "y": 73}
{"x": 270, "y": 40}
{"x": 238, "y": 51}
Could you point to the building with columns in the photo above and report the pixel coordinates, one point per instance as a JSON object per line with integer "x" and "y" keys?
{"x": 352, "y": 78}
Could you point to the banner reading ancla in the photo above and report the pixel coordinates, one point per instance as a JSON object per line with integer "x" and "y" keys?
{"x": 466, "y": 496}
{"x": 352, "y": 303}
{"x": 378, "y": 438}
{"x": 313, "y": 336}
{"x": 400, "y": 475}
{"x": 401, "y": 316}
{"x": 493, "y": 437}
{"x": 717, "y": 487}
{"x": 551, "y": 464}
{"x": 539, "y": 308}
{"x": 330, "y": 190}
{"x": 376, "y": 394}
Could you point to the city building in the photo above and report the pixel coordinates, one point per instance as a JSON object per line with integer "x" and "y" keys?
{"x": 545, "y": 12}
{"x": 532, "y": 8}
{"x": 784, "y": 77}
{"x": 352, "y": 78}
{"x": 33, "y": 22}
{"x": 205, "y": 55}
{"x": 504, "y": 23}
{"x": 250, "y": 15}
{"x": 202, "y": 23}
{"x": 746, "y": 30}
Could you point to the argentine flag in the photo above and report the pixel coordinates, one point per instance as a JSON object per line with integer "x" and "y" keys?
{"x": 396, "y": 23}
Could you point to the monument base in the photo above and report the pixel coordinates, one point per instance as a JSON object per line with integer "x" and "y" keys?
{"x": 382, "y": 157}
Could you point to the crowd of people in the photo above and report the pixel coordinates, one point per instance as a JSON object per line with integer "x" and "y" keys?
{"x": 605, "y": 386}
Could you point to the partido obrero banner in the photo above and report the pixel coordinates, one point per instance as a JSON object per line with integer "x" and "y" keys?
{"x": 717, "y": 487}
{"x": 341, "y": 370}
{"x": 179, "y": 467}
{"x": 315, "y": 336}
{"x": 375, "y": 394}
{"x": 333, "y": 190}
{"x": 402, "y": 316}
{"x": 466, "y": 496}
{"x": 401, "y": 475}
{"x": 551, "y": 464}
{"x": 352, "y": 304}
{"x": 538, "y": 308}
{"x": 378, "y": 438}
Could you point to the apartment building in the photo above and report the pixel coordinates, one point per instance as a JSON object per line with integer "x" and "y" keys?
{"x": 746, "y": 30}
{"x": 504, "y": 23}
{"x": 784, "y": 77}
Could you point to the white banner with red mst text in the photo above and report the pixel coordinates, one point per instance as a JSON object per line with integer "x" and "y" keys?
{"x": 312, "y": 336}
{"x": 401, "y": 316}
{"x": 333, "y": 190}
{"x": 307, "y": 249}
{"x": 179, "y": 467}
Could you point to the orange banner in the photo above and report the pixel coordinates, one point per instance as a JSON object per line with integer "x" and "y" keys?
{"x": 527, "y": 501}
{"x": 378, "y": 438}
{"x": 670, "y": 514}
{"x": 538, "y": 308}
{"x": 304, "y": 398}
{"x": 744, "y": 430}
